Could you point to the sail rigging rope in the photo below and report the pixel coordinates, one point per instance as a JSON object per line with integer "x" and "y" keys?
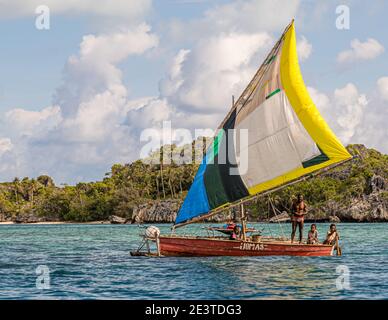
{"x": 274, "y": 209}
{"x": 269, "y": 228}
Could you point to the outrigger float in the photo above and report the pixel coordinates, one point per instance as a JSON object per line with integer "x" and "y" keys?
{"x": 289, "y": 141}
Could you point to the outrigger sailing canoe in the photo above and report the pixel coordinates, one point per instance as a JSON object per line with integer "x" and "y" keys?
{"x": 288, "y": 141}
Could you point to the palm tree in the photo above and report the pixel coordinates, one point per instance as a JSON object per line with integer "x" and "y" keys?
{"x": 16, "y": 187}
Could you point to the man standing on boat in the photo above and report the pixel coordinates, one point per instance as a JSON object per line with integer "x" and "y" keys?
{"x": 299, "y": 209}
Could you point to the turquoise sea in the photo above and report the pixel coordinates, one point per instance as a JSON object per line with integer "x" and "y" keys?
{"x": 93, "y": 262}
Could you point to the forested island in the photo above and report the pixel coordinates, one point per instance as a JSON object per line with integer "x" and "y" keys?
{"x": 146, "y": 192}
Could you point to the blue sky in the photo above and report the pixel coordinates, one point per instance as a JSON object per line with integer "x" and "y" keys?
{"x": 47, "y": 83}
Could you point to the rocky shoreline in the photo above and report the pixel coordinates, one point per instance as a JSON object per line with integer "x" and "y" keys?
{"x": 371, "y": 207}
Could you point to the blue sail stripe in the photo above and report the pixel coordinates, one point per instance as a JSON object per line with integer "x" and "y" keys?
{"x": 196, "y": 202}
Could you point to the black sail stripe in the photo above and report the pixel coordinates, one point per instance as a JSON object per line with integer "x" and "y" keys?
{"x": 221, "y": 186}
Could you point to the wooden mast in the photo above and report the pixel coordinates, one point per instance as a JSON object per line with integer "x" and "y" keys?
{"x": 242, "y": 209}
{"x": 243, "y": 221}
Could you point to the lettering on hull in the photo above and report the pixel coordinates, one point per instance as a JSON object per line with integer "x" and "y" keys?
{"x": 251, "y": 246}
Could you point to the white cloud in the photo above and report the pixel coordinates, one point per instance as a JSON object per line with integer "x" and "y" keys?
{"x": 354, "y": 117}
{"x": 7, "y": 163}
{"x": 95, "y": 69}
{"x": 373, "y": 130}
{"x": 343, "y": 110}
{"x": 84, "y": 133}
{"x": 240, "y": 16}
{"x": 27, "y": 122}
{"x": 115, "y": 47}
{"x": 93, "y": 98}
{"x": 151, "y": 115}
{"x": 111, "y": 8}
{"x": 367, "y": 50}
{"x": 251, "y": 16}
{"x": 5, "y": 145}
{"x": 174, "y": 79}
{"x": 304, "y": 48}
{"x": 382, "y": 85}
{"x": 321, "y": 100}
{"x": 350, "y": 109}
{"x": 204, "y": 79}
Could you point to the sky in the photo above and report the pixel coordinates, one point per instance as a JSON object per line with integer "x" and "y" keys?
{"x": 75, "y": 98}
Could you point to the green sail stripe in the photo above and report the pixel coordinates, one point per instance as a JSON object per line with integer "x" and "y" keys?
{"x": 271, "y": 59}
{"x": 316, "y": 160}
{"x": 215, "y": 146}
{"x": 272, "y": 93}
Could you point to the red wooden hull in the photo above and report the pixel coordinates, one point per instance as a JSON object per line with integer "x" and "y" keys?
{"x": 202, "y": 246}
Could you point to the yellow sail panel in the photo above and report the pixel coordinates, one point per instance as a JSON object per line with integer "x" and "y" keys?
{"x": 302, "y": 103}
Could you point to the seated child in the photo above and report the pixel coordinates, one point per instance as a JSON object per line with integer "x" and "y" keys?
{"x": 312, "y": 237}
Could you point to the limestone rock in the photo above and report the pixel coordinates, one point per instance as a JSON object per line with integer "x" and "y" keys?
{"x": 334, "y": 219}
{"x": 156, "y": 212}
{"x": 283, "y": 217}
{"x": 117, "y": 220}
{"x": 28, "y": 218}
{"x": 377, "y": 183}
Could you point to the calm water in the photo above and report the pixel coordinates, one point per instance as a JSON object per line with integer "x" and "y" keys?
{"x": 93, "y": 262}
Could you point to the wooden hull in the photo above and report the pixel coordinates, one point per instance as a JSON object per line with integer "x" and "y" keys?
{"x": 202, "y": 246}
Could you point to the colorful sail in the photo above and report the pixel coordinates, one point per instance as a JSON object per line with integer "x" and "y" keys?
{"x": 288, "y": 138}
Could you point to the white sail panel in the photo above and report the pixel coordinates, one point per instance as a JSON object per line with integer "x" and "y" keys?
{"x": 278, "y": 142}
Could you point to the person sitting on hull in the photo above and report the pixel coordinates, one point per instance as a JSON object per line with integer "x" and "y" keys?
{"x": 312, "y": 237}
{"x": 299, "y": 209}
{"x": 332, "y": 235}
{"x": 332, "y": 238}
{"x": 235, "y": 235}
{"x": 230, "y": 225}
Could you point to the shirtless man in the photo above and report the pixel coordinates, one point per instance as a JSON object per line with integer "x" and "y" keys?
{"x": 299, "y": 210}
